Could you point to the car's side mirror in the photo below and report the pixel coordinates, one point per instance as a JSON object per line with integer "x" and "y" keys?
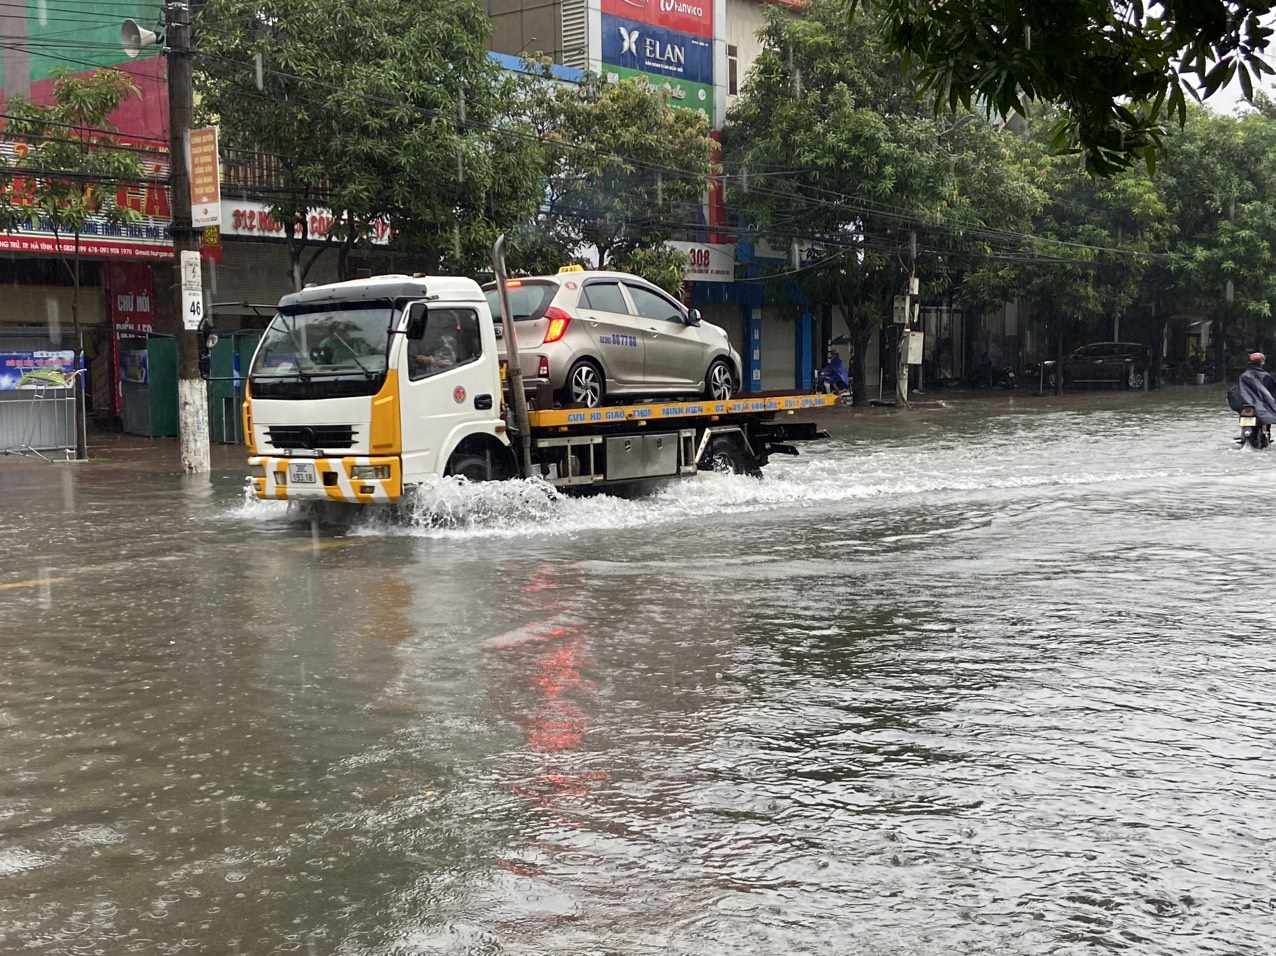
{"x": 693, "y": 317}
{"x": 414, "y": 331}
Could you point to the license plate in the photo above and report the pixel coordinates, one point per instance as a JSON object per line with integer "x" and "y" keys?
{"x": 1248, "y": 422}
{"x": 301, "y": 473}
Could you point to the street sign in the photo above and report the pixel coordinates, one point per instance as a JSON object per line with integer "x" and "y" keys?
{"x": 192, "y": 291}
{"x": 707, "y": 261}
{"x": 205, "y": 175}
{"x": 192, "y": 276}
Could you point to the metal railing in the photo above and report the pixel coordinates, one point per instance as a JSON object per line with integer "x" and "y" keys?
{"x": 39, "y": 419}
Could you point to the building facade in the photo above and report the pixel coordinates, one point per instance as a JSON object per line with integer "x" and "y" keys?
{"x": 699, "y": 52}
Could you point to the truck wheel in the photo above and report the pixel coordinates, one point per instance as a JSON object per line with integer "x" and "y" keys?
{"x": 586, "y": 387}
{"x": 727, "y": 456}
{"x": 719, "y": 382}
{"x": 470, "y": 467}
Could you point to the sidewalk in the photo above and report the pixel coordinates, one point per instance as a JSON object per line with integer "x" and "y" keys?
{"x": 109, "y": 450}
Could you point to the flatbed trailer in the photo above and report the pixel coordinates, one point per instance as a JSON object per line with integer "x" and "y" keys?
{"x": 345, "y": 406}
{"x": 573, "y": 447}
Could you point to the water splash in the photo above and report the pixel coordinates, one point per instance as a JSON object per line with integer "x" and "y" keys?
{"x": 1020, "y": 452}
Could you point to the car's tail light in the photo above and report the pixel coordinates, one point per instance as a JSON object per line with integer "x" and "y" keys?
{"x": 542, "y": 368}
{"x": 558, "y": 322}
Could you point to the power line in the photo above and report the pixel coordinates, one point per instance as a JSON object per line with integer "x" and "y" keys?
{"x": 830, "y": 199}
{"x": 90, "y": 129}
{"x": 841, "y": 202}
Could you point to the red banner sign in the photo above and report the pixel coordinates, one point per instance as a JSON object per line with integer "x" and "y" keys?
{"x": 682, "y": 16}
{"x": 130, "y": 298}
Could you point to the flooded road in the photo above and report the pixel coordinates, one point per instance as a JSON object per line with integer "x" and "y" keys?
{"x": 996, "y": 677}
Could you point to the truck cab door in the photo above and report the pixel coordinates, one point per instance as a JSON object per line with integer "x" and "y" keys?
{"x": 447, "y": 379}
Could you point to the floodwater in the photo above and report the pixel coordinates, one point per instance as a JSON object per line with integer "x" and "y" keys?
{"x": 995, "y": 677}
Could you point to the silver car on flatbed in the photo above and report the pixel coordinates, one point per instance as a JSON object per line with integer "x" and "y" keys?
{"x": 594, "y": 336}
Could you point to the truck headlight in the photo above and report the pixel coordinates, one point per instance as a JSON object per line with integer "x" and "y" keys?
{"x": 369, "y": 472}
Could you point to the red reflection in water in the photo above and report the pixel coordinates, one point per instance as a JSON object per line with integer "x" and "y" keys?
{"x": 556, "y": 718}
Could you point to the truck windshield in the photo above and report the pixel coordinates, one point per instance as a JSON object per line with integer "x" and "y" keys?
{"x": 324, "y": 351}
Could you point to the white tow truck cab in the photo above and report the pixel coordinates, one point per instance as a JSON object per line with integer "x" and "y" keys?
{"x": 359, "y": 391}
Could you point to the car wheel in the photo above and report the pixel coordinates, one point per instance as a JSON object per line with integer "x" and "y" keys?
{"x": 719, "y": 381}
{"x": 1136, "y": 378}
{"x": 470, "y": 467}
{"x": 727, "y": 456}
{"x": 586, "y": 387}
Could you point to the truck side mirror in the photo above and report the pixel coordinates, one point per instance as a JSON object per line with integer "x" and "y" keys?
{"x": 417, "y": 316}
{"x": 693, "y": 317}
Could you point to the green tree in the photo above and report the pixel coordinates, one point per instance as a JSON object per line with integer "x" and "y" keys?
{"x": 624, "y": 172}
{"x": 1119, "y": 68}
{"x": 385, "y": 112}
{"x": 68, "y": 166}
{"x": 832, "y": 150}
{"x": 1094, "y": 240}
{"x": 1218, "y": 183}
{"x": 67, "y": 170}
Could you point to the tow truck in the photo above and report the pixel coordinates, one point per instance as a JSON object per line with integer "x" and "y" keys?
{"x": 349, "y": 402}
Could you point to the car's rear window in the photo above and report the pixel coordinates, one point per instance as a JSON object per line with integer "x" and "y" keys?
{"x": 528, "y": 300}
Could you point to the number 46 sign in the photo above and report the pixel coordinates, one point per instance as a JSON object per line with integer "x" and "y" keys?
{"x": 192, "y": 291}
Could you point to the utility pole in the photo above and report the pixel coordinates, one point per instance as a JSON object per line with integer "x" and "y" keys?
{"x": 192, "y": 392}
{"x": 905, "y": 333}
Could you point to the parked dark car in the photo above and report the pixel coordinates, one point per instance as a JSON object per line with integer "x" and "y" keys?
{"x": 1123, "y": 364}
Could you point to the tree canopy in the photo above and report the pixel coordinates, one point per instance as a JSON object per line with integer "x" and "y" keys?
{"x": 68, "y": 166}
{"x": 832, "y": 152}
{"x": 389, "y": 113}
{"x": 624, "y": 172}
{"x": 1119, "y": 69}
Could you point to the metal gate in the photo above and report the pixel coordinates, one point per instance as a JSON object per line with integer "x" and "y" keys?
{"x": 227, "y": 371}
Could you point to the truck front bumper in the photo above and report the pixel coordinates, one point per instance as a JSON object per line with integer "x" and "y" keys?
{"x": 335, "y": 479}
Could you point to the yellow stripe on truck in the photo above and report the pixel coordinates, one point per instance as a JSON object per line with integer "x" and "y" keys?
{"x": 386, "y": 437}
{"x": 246, "y": 412}
{"x": 674, "y": 411}
{"x": 340, "y": 486}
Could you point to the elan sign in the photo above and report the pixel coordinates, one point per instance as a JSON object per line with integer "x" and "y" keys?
{"x": 656, "y": 51}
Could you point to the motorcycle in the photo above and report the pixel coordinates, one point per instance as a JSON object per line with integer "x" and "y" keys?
{"x": 1253, "y": 434}
{"x": 988, "y": 376}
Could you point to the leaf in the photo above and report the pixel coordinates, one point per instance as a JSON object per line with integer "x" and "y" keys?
{"x": 1218, "y": 76}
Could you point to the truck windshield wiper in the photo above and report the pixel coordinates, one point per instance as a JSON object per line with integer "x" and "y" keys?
{"x": 349, "y": 348}
{"x": 296, "y": 347}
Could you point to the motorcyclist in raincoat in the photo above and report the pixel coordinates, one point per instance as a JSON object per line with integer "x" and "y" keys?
{"x": 1258, "y": 388}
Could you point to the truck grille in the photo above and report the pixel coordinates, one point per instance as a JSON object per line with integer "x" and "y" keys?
{"x": 311, "y": 436}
